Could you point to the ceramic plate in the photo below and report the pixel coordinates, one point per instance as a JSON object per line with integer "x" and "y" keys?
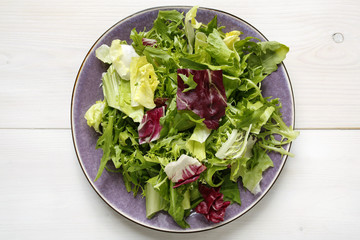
{"x": 110, "y": 186}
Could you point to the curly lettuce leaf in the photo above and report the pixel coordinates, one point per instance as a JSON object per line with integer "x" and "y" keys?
{"x": 106, "y": 143}
{"x": 176, "y": 121}
{"x": 251, "y": 170}
{"x": 170, "y": 148}
{"x": 268, "y": 55}
{"x": 246, "y": 113}
{"x": 188, "y": 80}
{"x": 234, "y": 147}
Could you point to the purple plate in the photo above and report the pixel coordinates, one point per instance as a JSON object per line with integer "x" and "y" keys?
{"x": 110, "y": 186}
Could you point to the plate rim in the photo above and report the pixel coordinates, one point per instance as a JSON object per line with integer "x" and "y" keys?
{"x": 210, "y": 227}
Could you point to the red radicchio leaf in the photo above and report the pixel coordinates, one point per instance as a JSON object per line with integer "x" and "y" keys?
{"x": 213, "y": 206}
{"x": 190, "y": 176}
{"x": 202, "y": 208}
{"x": 186, "y": 181}
{"x": 193, "y": 171}
{"x": 208, "y": 99}
{"x": 219, "y": 203}
{"x": 149, "y": 42}
{"x": 184, "y": 170}
{"x": 216, "y": 216}
{"x": 149, "y": 128}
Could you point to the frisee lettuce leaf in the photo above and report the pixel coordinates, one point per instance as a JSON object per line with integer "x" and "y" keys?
{"x": 188, "y": 80}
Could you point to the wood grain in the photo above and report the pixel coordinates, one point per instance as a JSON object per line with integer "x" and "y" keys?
{"x": 43, "y": 43}
{"x": 45, "y": 195}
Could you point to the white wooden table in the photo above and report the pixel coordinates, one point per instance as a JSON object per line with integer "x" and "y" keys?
{"x": 44, "y": 193}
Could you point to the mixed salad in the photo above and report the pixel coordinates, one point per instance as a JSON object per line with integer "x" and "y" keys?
{"x": 183, "y": 118}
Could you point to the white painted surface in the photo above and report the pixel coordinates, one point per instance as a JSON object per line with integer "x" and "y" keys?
{"x": 44, "y": 194}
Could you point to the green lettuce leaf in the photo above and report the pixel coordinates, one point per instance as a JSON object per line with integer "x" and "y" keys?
{"x": 157, "y": 194}
{"x": 166, "y": 25}
{"x": 268, "y": 55}
{"x": 214, "y": 173}
{"x": 143, "y": 83}
{"x": 117, "y": 94}
{"x": 176, "y": 121}
{"x": 188, "y": 81}
{"x": 119, "y": 54}
{"x": 209, "y": 28}
{"x": 246, "y": 113}
{"x": 190, "y": 25}
{"x": 231, "y": 38}
{"x": 230, "y": 190}
{"x": 105, "y": 142}
{"x": 94, "y": 115}
{"x": 234, "y": 147}
{"x": 196, "y": 143}
{"x": 251, "y": 170}
{"x": 103, "y": 53}
{"x": 176, "y": 209}
{"x": 128, "y": 137}
{"x": 154, "y": 201}
{"x": 170, "y": 148}
{"x": 218, "y": 49}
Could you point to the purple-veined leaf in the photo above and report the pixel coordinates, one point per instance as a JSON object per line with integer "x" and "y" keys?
{"x": 208, "y": 99}
{"x": 185, "y": 170}
{"x": 149, "y": 128}
{"x": 149, "y": 42}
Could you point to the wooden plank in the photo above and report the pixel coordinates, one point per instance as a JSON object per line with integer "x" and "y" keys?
{"x": 45, "y": 194}
{"x": 42, "y": 45}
